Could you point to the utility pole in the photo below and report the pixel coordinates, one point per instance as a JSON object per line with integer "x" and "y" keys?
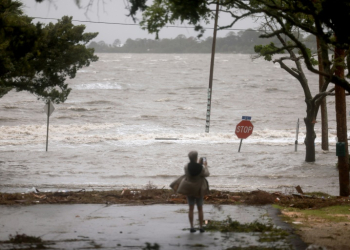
{"x": 210, "y": 89}
{"x": 340, "y": 107}
{"x": 323, "y": 105}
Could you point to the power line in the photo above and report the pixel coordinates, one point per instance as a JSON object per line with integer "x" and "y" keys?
{"x": 136, "y": 24}
{"x": 81, "y": 21}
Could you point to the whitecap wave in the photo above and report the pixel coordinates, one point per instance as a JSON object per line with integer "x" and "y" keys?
{"x": 96, "y": 133}
{"x": 98, "y": 85}
{"x": 163, "y": 100}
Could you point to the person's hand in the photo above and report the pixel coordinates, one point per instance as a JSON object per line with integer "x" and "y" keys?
{"x": 205, "y": 163}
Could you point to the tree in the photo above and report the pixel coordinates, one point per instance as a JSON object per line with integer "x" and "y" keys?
{"x": 38, "y": 58}
{"x": 312, "y": 102}
{"x": 117, "y": 43}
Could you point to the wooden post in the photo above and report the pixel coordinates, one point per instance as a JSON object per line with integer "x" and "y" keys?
{"x": 210, "y": 89}
{"x": 296, "y": 136}
{"x": 340, "y": 107}
{"x": 47, "y": 130}
{"x": 323, "y": 106}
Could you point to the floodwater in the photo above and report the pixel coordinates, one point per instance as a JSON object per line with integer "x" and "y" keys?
{"x": 131, "y": 120}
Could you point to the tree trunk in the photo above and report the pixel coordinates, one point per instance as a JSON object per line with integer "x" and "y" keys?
{"x": 310, "y": 141}
{"x": 340, "y": 106}
{"x": 324, "y": 124}
{"x": 323, "y": 104}
{"x": 310, "y": 132}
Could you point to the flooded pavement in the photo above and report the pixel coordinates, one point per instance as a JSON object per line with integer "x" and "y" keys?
{"x": 90, "y": 226}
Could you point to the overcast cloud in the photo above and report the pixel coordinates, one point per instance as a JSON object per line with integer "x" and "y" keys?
{"x": 111, "y": 12}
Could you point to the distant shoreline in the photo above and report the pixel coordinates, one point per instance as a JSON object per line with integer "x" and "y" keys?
{"x": 242, "y": 42}
{"x": 103, "y": 52}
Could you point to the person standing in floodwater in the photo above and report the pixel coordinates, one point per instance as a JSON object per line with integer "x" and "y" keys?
{"x": 194, "y": 185}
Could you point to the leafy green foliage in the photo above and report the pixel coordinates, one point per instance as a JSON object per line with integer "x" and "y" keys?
{"x": 313, "y": 61}
{"x": 157, "y": 16}
{"x": 330, "y": 16}
{"x": 17, "y": 36}
{"x": 38, "y": 58}
{"x": 267, "y": 51}
{"x": 192, "y": 10}
{"x": 335, "y": 14}
{"x": 162, "y": 12}
{"x": 137, "y": 5}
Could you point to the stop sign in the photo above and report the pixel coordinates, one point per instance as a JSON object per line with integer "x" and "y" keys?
{"x": 244, "y": 129}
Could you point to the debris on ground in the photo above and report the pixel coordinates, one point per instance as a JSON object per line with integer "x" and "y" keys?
{"x": 260, "y": 198}
{"x": 151, "y": 195}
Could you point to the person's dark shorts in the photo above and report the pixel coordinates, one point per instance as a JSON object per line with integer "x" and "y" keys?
{"x": 195, "y": 200}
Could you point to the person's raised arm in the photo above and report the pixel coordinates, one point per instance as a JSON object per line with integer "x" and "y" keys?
{"x": 205, "y": 171}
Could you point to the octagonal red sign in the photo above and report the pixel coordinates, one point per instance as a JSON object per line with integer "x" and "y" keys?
{"x": 244, "y": 129}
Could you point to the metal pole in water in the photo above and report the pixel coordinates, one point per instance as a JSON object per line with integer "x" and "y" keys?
{"x": 296, "y": 137}
{"x": 239, "y": 149}
{"x": 47, "y": 131}
{"x": 207, "y": 123}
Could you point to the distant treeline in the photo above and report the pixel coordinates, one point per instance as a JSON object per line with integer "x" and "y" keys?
{"x": 243, "y": 42}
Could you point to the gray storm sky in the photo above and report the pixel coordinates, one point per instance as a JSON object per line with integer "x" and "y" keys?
{"x": 112, "y": 12}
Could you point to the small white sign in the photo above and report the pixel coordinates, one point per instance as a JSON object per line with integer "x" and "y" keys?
{"x": 46, "y": 109}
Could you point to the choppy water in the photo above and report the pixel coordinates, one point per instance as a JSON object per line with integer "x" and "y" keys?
{"x": 104, "y": 136}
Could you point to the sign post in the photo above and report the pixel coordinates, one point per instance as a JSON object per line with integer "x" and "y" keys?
{"x": 244, "y": 129}
{"x": 296, "y": 137}
{"x": 48, "y": 108}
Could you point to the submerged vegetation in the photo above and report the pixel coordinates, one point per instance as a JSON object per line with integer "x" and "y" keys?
{"x": 23, "y": 238}
{"x": 32, "y": 242}
{"x": 268, "y": 231}
{"x": 149, "y": 246}
{"x": 229, "y": 225}
{"x": 265, "y": 232}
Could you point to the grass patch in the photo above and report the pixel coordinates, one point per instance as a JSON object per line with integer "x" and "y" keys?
{"x": 277, "y": 206}
{"x": 330, "y": 214}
